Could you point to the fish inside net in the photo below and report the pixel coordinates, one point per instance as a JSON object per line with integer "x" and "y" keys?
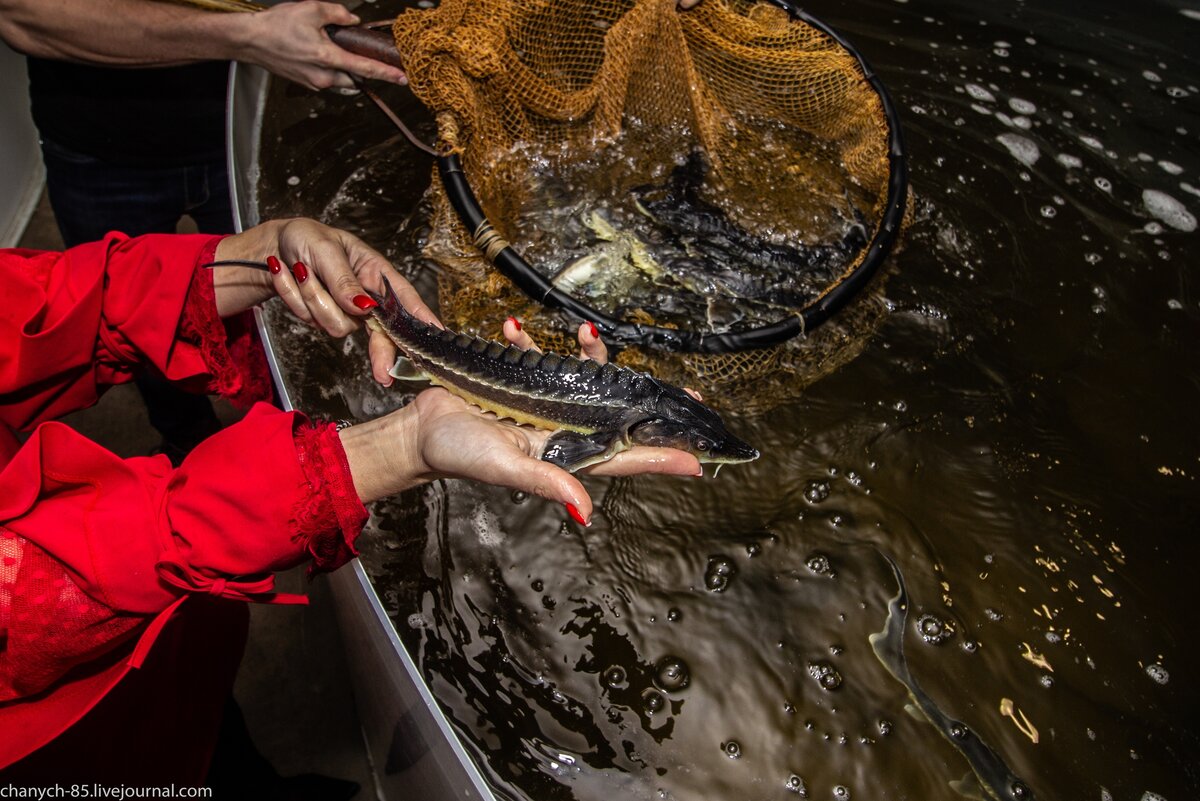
{"x": 714, "y": 170}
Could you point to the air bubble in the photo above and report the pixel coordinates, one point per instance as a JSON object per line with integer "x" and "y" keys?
{"x": 732, "y": 749}
{"x": 826, "y": 675}
{"x": 934, "y": 630}
{"x": 994, "y": 615}
{"x": 653, "y": 702}
{"x": 720, "y": 570}
{"x": 885, "y": 727}
{"x": 615, "y": 678}
{"x": 970, "y": 646}
{"x": 816, "y": 491}
{"x": 795, "y": 784}
{"x": 674, "y": 615}
{"x": 671, "y": 674}
{"x": 1158, "y": 673}
{"x": 1019, "y": 791}
{"x": 958, "y": 731}
{"x": 841, "y": 792}
{"x": 819, "y": 564}
{"x": 537, "y": 585}
{"x": 519, "y": 496}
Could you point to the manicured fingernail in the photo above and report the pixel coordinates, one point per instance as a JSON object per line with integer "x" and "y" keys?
{"x": 363, "y": 302}
{"x": 300, "y": 271}
{"x": 273, "y": 265}
{"x": 592, "y": 327}
{"x": 515, "y": 322}
{"x": 574, "y": 513}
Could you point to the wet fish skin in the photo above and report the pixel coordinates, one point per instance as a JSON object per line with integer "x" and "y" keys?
{"x": 595, "y": 410}
{"x": 707, "y": 231}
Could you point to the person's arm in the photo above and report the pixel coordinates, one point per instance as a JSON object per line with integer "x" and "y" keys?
{"x": 287, "y": 39}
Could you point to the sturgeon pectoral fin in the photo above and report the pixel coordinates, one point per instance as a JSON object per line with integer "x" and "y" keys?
{"x": 405, "y": 370}
{"x": 573, "y": 451}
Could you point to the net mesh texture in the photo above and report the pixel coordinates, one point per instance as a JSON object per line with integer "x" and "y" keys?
{"x": 560, "y": 78}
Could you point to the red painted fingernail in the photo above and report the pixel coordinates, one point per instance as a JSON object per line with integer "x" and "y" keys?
{"x": 592, "y": 326}
{"x": 300, "y": 271}
{"x": 273, "y": 265}
{"x": 515, "y": 322}
{"x": 363, "y": 302}
{"x": 574, "y": 513}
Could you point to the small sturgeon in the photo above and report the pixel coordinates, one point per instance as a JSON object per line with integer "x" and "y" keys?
{"x": 991, "y": 774}
{"x": 596, "y": 411}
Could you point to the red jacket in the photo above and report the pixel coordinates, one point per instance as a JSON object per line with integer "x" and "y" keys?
{"x": 98, "y": 554}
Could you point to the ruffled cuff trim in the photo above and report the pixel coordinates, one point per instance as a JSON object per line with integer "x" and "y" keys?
{"x": 230, "y": 348}
{"x": 330, "y": 519}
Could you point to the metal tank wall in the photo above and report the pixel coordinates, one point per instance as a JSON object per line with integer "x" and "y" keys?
{"x": 412, "y": 748}
{"x": 21, "y": 171}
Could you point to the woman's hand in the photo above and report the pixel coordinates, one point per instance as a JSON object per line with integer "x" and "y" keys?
{"x": 320, "y": 273}
{"x": 441, "y": 436}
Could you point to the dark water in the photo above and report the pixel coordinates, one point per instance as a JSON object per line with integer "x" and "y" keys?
{"x": 1021, "y": 439}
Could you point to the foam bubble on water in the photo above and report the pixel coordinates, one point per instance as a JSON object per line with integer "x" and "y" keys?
{"x": 1191, "y": 190}
{"x": 1151, "y": 76}
{"x": 982, "y": 109}
{"x": 977, "y": 92}
{"x": 1049, "y": 211}
{"x": 1092, "y": 142}
{"x": 1170, "y": 167}
{"x": 293, "y": 180}
{"x": 816, "y": 491}
{"x": 1174, "y": 305}
{"x": 1158, "y": 673}
{"x": 1069, "y": 161}
{"x": 486, "y": 526}
{"x": 1166, "y": 208}
{"x": 1190, "y": 13}
{"x": 671, "y": 674}
{"x": 1024, "y": 123}
{"x": 1022, "y": 149}
{"x": 718, "y": 573}
{"x": 1177, "y": 92}
{"x": 1021, "y": 106}
{"x": 1149, "y": 796}
{"x": 1103, "y": 184}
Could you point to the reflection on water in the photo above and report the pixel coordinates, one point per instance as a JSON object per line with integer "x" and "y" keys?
{"x": 1020, "y": 439}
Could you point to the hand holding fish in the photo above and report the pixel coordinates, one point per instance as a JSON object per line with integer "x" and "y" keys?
{"x": 441, "y": 436}
{"x": 321, "y": 273}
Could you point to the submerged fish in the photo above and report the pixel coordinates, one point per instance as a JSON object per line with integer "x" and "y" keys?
{"x": 991, "y": 774}
{"x": 612, "y": 268}
{"x": 594, "y": 410}
{"x": 706, "y": 231}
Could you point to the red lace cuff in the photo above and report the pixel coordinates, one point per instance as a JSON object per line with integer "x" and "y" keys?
{"x": 230, "y": 348}
{"x": 330, "y": 519}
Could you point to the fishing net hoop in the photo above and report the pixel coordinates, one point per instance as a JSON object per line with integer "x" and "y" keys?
{"x": 505, "y": 258}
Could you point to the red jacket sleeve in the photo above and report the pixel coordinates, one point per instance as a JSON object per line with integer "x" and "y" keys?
{"x": 73, "y": 323}
{"x": 91, "y": 545}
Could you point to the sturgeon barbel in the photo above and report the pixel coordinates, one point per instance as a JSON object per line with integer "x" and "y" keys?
{"x": 594, "y": 410}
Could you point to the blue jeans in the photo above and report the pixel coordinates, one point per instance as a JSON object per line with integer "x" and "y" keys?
{"x": 91, "y": 197}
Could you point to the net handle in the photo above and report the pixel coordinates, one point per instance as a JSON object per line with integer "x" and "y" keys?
{"x": 513, "y": 266}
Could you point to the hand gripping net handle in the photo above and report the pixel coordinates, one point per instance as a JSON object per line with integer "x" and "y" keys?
{"x": 513, "y": 266}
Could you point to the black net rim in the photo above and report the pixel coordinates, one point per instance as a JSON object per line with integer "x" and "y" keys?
{"x": 513, "y": 266}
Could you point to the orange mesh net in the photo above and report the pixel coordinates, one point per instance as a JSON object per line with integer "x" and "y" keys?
{"x": 515, "y": 81}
